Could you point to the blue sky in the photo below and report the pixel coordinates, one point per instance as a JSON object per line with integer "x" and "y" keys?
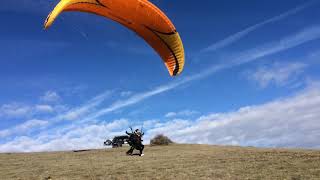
{"x": 250, "y": 67}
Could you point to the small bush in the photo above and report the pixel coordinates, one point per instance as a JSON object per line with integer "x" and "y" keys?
{"x": 160, "y": 140}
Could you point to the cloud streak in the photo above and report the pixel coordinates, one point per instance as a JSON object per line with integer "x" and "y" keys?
{"x": 24, "y": 127}
{"x": 302, "y": 37}
{"x": 76, "y": 113}
{"x": 279, "y": 74}
{"x": 18, "y": 111}
{"x": 69, "y": 115}
{"x": 50, "y": 97}
{"x": 237, "y": 36}
{"x": 184, "y": 113}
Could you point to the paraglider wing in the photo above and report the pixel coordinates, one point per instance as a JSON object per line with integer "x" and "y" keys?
{"x": 142, "y": 17}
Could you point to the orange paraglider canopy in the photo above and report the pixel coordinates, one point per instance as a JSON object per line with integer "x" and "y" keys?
{"x": 142, "y": 17}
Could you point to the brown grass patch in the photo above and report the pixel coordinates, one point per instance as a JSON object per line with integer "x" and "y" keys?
{"x": 165, "y": 162}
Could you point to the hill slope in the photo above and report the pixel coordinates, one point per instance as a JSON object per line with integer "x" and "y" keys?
{"x": 167, "y": 162}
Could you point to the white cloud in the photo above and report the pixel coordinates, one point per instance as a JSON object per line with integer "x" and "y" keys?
{"x": 184, "y": 113}
{"x": 72, "y": 114}
{"x": 237, "y": 36}
{"x": 150, "y": 123}
{"x": 24, "y": 127}
{"x": 43, "y": 108}
{"x": 289, "y": 122}
{"x": 51, "y": 97}
{"x": 279, "y": 74}
{"x": 125, "y": 93}
{"x": 131, "y": 100}
{"x": 15, "y": 110}
{"x": 304, "y": 36}
{"x": 286, "y": 122}
{"x": 31, "y": 124}
{"x": 18, "y": 110}
{"x": 77, "y": 137}
{"x": 79, "y": 112}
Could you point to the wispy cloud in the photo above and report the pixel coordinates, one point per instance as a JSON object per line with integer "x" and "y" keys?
{"x": 302, "y": 37}
{"x": 14, "y": 110}
{"x": 51, "y": 97}
{"x": 18, "y": 110}
{"x": 78, "y": 137}
{"x": 288, "y": 122}
{"x": 306, "y": 35}
{"x": 78, "y": 112}
{"x": 279, "y": 74}
{"x": 183, "y": 113}
{"x": 72, "y": 114}
{"x": 237, "y": 36}
{"x": 44, "y": 108}
{"x": 125, "y": 93}
{"x": 294, "y": 122}
{"x": 138, "y": 97}
{"x": 24, "y": 127}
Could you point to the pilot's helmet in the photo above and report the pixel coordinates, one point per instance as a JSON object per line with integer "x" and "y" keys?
{"x": 138, "y": 132}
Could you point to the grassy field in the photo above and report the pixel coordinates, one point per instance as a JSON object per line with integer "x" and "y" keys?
{"x": 166, "y": 162}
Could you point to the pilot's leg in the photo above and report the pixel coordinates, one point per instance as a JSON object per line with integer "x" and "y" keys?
{"x": 141, "y": 150}
{"x": 129, "y": 152}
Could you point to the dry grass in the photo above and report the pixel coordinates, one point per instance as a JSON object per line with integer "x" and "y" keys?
{"x": 165, "y": 162}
